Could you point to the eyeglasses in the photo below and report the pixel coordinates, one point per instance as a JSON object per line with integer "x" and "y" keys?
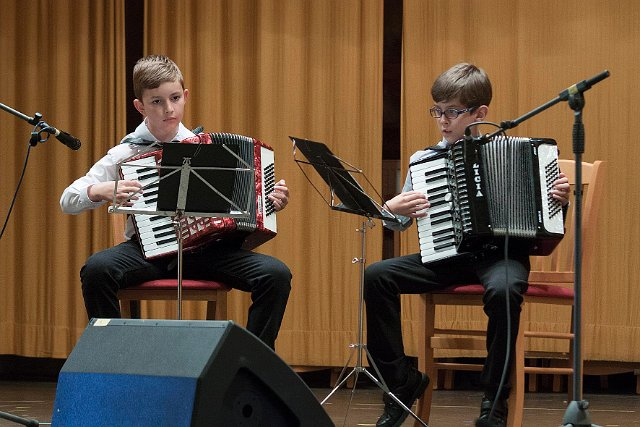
{"x": 449, "y": 113}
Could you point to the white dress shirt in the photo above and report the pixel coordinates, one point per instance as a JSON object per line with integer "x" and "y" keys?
{"x": 75, "y": 198}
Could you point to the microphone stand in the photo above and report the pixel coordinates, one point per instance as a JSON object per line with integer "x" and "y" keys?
{"x": 36, "y": 120}
{"x": 576, "y": 414}
{"x": 19, "y": 420}
{"x": 31, "y": 120}
{"x": 563, "y": 96}
{"x": 40, "y": 126}
{"x": 40, "y": 133}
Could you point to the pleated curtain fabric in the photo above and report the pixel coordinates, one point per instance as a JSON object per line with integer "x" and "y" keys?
{"x": 271, "y": 69}
{"x": 65, "y": 60}
{"x": 532, "y": 51}
{"x": 265, "y": 69}
{"x": 274, "y": 68}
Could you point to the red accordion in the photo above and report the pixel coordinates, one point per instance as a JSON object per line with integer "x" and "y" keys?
{"x": 157, "y": 233}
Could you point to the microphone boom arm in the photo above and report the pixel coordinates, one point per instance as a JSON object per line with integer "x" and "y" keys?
{"x": 40, "y": 127}
{"x": 579, "y": 87}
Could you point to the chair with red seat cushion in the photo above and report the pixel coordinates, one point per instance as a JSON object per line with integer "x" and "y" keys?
{"x": 215, "y": 293}
{"x": 550, "y": 282}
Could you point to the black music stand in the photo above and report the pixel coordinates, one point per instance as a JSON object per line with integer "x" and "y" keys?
{"x": 195, "y": 180}
{"x": 354, "y": 199}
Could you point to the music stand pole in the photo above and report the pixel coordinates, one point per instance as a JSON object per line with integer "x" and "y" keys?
{"x": 178, "y": 228}
{"x": 362, "y": 261}
{"x": 360, "y": 347}
{"x": 181, "y": 205}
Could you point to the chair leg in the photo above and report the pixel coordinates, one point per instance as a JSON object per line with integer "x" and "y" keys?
{"x": 425, "y": 359}
{"x": 604, "y": 382}
{"x": 135, "y": 309}
{"x": 125, "y": 308}
{"x": 449, "y": 379}
{"x": 533, "y": 378}
{"x": 211, "y": 310}
{"x": 558, "y": 384}
{"x": 516, "y": 398}
{"x": 217, "y": 310}
{"x": 221, "y": 305}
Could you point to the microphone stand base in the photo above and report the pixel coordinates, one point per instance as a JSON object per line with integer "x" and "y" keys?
{"x": 19, "y": 420}
{"x": 577, "y": 415}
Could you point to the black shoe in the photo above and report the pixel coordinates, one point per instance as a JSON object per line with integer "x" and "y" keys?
{"x": 499, "y": 418}
{"x": 394, "y": 414}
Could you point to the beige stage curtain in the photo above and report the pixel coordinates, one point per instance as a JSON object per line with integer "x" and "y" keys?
{"x": 63, "y": 59}
{"x": 532, "y": 51}
{"x": 271, "y": 69}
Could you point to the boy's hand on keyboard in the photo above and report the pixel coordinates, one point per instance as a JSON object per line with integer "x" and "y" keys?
{"x": 413, "y": 204}
{"x": 103, "y": 191}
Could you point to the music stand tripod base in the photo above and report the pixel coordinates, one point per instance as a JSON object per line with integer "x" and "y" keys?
{"x": 360, "y": 347}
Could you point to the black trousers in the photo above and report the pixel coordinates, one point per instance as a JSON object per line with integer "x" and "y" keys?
{"x": 386, "y": 280}
{"x": 267, "y": 278}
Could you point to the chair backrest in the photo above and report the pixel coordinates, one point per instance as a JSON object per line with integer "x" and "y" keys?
{"x": 562, "y": 258}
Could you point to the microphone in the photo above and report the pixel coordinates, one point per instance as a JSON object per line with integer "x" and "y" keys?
{"x": 583, "y": 85}
{"x": 482, "y": 139}
{"x": 67, "y": 139}
{"x": 467, "y": 134}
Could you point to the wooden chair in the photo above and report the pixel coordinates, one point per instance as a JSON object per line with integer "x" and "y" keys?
{"x": 550, "y": 282}
{"x": 215, "y": 293}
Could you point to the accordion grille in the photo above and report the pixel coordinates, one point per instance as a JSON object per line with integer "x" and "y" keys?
{"x": 510, "y": 188}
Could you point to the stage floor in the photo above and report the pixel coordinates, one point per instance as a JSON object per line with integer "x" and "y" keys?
{"x": 450, "y": 408}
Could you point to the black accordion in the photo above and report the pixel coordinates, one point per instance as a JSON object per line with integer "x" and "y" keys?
{"x": 482, "y": 190}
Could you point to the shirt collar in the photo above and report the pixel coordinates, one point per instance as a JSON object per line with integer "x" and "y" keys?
{"x": 143, "y": 136}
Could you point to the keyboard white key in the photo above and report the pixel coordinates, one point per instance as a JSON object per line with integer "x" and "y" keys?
{"x": 435, "y": 231}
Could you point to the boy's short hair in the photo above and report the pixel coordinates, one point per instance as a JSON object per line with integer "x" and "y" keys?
{"x": 153, "y": 70}
{"x": 468, "y": 83}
